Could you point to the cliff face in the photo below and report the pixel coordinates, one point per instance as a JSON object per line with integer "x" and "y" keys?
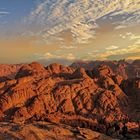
{"x": 74, "y": 96}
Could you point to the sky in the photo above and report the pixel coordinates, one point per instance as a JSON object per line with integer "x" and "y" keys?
{"x": 65, "y": 31}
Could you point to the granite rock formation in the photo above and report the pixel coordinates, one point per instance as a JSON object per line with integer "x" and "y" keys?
{"x": 74, "y": 95}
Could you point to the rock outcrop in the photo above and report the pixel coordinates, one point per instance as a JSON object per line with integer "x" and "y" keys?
{"x": 8, "y": 72}
{"x": 47, "y": 131}
{"x": 123, "y": 68}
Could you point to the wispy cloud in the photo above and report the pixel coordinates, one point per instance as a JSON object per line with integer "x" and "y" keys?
{"x": 120, "y": 27}
{"x": 49, "y": 55}
{"x": 132, "y": 49}
{"x": 78, "y": 16}
{"x": 4, "y": 13}
{"x": 130, "y": 36}
{"x": 112, "y": 47}
{"x": 137, "y": 42}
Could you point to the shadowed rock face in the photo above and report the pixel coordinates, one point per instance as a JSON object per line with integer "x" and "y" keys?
{"x": 74, "y": 96}
{"x": 122, "y": 67}
{"x": 8, "y": 72}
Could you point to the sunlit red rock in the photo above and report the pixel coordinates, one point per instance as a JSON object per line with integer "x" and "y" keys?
{"x": 63, "y": 94}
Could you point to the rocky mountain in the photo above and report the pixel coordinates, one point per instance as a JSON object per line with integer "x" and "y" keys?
{"x": 126, "y": 69}
{"x": 87, "y": 95}
{"x": 8, "y": 71}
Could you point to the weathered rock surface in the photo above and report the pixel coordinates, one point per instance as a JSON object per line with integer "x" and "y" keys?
{"x": 78, "y": 97}
{"x": 47, "y": 131}
{"x": 8, "y": 72}
{"x": 122, "y": 67}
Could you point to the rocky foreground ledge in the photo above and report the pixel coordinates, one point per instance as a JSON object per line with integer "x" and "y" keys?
{"x": 86, "y": 96}
{"x": 47, "y": 131}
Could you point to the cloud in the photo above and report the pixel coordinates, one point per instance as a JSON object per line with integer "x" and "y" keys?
{"x": 4, "y": 13}
{"x": 68, "y": 47}
{"x": 132, "y": 49}
{"x": 49, "y": 58}
{"x": 48, "y": 55}
{"x": 130, "y": 36}
{"x": 133, "y": 57}
{"x": 137, "y": 42}
{"x": 93, "y": 52}
{"x": 132, "y": 19}
{"x": 120, "y": 27}
{"x": 3, "y": 22}
{"x": 112, "y": 52}
{"x": 70, "y": 56}
{"x": 123, "y": 36}
{"x": 112, "y": 47}
{"x": 133, "y": 37}
{"x": 78, "y": 16}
